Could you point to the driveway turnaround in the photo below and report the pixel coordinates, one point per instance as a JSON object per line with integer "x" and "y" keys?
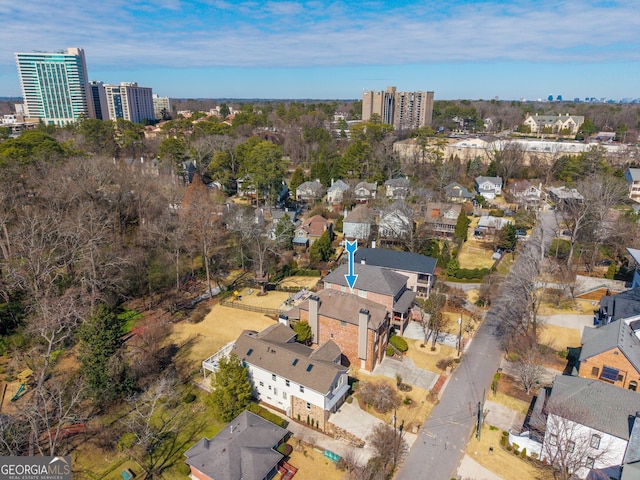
{"x": 410, "y": 374}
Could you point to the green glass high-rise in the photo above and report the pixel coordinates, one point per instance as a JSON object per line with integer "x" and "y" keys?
{"x": 55, "y": 86}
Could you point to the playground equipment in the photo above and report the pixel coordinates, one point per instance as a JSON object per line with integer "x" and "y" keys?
{"x": 22, "y": 377}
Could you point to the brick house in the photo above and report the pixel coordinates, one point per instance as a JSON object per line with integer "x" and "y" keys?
{"x": 359, "y": 326}
{"x": 611, "y": 354}
{"x": 311, "y": 229}
{"x": 244, "y": 449}
{"x": 298, "y": 380}
{"x": 380, "y": 285}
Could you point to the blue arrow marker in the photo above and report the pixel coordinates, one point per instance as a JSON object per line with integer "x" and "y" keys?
{"x": 351, "y": 277}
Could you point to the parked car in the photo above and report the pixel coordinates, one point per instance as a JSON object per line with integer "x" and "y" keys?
{"x": 604, "y": 263}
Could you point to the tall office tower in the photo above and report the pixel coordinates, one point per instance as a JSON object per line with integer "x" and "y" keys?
{"x": 161, "y": 106}
{"x": 403, "y": 110}
{"x": 55, "y": 86}
{"x": 99, "y": 97}
{"x": 129, "y": 101}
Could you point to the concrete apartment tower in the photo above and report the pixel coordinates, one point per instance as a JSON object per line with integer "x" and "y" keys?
{"x": 129, "y": 101}
{"x": 55, "y": 86}
{"x": 403, "y": 110}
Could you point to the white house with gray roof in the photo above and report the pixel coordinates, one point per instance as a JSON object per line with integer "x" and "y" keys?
{"x": 310, "y": 191}
{"x": 587, "y": 421}
{"x": 632, "y": 175}
{"x": 293, "y": 378}
{"x": 335, "y": 193}
{"x": 359, "y": 223}
{"x": 489, "y": 187}
{"x": 397, "y": 188}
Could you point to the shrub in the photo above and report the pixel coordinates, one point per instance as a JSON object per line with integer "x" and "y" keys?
{"x": 524, "y": 453}
{"x": 505, "y": 434}
{"x": 189, "y": 397}
{"x": 199, "y": 313}
{"x": 399, "y": 343}
{"x": 509, "y": 448}
{"x": 267, "y": 415}
{"x": 407, "y": 401}
{"x": 381, "y": 396}
{"x": 515, "y": 446}
{"x": 491, "y": 427}
{"x": 390, "y": 351}
{"x": 534, "y": 455}
{"x": 443, "y": 363}
{"x": 503, "y": 441}
{"x": 349, "y": 399}
{"x": 516, "y": 452}
{"x": 563, "y": 353}
{"x": 183, "y": 469}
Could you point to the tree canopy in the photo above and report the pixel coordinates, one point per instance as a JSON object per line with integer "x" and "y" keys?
{"x": 231, "y": 389}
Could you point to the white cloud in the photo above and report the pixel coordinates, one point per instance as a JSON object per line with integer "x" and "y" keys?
{"x": 178, "y": 33}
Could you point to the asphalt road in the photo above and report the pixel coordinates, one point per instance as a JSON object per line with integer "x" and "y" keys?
{"x": 442, "y": 440}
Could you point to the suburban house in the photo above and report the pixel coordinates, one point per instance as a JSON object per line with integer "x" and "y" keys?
{"x": 524, "y": 190}
{"x": 564, "y": 194}
{"x": 489, "y": 225}
{"x": 456, "y": 193}
{"x": 359, "y": 224}
{"x": 359, "y": 326}
{"x": 397, "y": 188}
{"x": 365, "y": 191}
{"x": 396, "y": 221}
{"x": 419, "y": 269}
{"x": 611, "y": 353}
{"x": 632, "y": 176}
{"x": 380, "y": 285}
{"x": 489, "y": 187}
{"x": 244, "y": 450}
{"x": 276, "y": 216}
{"x": 619, "y": 306}
{"x": 310, "y": 230}
{"x": 294, "y": 378}
{"x": 441, "y": 218}
{"x": 335, "y": 193}
{"x": 310, "y": 191}
{"x": 586, "y": 423}
{"x": 554, "y": 124}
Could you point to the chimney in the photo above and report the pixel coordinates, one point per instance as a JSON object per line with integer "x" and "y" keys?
{"x": 283, "y": 319}
{"x": 363, "y": 322}
{"x": 363, "y": 260}
{"x": 231, "y": 428}
{"x": 332, "y": 181}
{"x": 314, "y": 305}
{"x": 344, "y": 215}
{"x": 373, "y": 244}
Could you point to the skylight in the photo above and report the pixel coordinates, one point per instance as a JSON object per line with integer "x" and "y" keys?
{"x": 250, "y": 351}
{"x": 309, "y": 367}
{"x": 295, "y": 362}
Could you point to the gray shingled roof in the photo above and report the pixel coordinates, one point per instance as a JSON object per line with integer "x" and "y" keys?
{"x": 395, "y": 260}
{"x": 617, "y": 334}
{"x": 622, "y": 305}
{"x": 632, "y": 455}
{"x": 370, "y": 278}
{"x": 494, "y": 180}
{"x": 346, "y": 307}
{"x": 267, "y": 351}
{"x": 243, "y": 450}
{"x": 606, "y": 407}
{"x": 361, "y": 214}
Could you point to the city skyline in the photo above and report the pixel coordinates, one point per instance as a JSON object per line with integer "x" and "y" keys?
{"x": 335, "y": 50}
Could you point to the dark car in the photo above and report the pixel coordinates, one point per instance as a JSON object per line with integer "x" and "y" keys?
{"x": 604, "y": 263}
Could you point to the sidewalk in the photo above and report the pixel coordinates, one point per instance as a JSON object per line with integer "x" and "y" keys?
{"x": 471, "y": 470}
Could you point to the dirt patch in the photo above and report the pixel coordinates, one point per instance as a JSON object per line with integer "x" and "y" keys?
{"x": 300, "y": 282}
{"x": 509, "y": 386}
{"x": 475, "y": 254}
{"x": 311, "y": 463}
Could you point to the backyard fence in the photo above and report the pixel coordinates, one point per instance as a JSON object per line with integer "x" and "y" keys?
{"x": 249, "y": 308}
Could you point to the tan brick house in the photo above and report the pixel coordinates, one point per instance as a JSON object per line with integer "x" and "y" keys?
{"x": 359, "y": 326}
{"x": 611, "y": 354}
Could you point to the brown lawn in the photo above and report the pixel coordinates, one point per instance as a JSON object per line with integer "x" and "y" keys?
{"x": 500, "y": 461}
{"x": 560, "y": 338}
{"x": 311, "y": 464}
{"x": 251, "y": 296}
{"x": 423, "y": 358}
{"x": 300, "y": 282}
{"x": 584, "y": 307}
{"x": 220, "y": 326}
{"x": 475, "y": 254}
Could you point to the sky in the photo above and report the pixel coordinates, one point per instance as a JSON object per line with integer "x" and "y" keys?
{"x": 337, "y": 49}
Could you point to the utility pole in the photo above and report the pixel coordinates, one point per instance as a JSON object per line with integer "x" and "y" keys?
{"x": 460, "y": 335}
{"x": 480, "y": 415}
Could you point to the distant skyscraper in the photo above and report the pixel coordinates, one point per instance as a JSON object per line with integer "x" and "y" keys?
{"x": 403, "y": 110}
{"x": 99, "y": 96}
{"x": 161, "y": 105}
{"x": 129, "y": 101}
{"x": 55, "y": 86}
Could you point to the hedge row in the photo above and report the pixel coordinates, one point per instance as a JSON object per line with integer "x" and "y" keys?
{"x": 399, "y": 343}
{"x": 267, "y": 415}
{"x": 472, "y": 273}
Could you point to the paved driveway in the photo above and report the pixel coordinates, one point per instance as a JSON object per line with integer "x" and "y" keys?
{"x": 410, "y": 374}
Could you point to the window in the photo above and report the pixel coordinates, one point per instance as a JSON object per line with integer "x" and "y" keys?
{"x": 633, "y": 385}
{"x": 262, "y": 384}
{"x": 301, "y": 389}
{"x": 308, "y": 406}
{"x": 571, "y": 446}
{"x": 284, "y": 395}
{"x": 343, "y": 323}
{"x": 273, "y": 377}
{"x": 275, "y": 391}
{"x": 595, "y": 441}
{"x": 286, "y": 382}
{"x": 590, "y": 462}
{"x": 269, "y": 387}
{"x": 595, "y": 371}
{"x": 553, "y": 439}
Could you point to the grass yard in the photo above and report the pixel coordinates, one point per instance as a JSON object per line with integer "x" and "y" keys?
{"x": 560, "y": 338}
{"x": 503, "y": 463}
{"x": 513, "y": 403}
{"x": 220, "y": 326}
{"x": 475, "y": 254}
{"x": 312, "y": 464}
{"x": 249, "y": 296}
{"x": 300, "y": 281}
{"x": 426, "y": 360}
{"x": 584, "y": 307}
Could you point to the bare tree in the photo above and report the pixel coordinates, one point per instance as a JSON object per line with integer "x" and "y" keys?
{"x": 528, "y": 369}
{"x": 432, "y": 319}
{"x": 381, "y": 396}
{"x": 389, "y": 445}
{"x": 571, "y": 449}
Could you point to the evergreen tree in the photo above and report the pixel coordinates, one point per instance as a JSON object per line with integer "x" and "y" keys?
{"x": 297, "y": 179}
{"x": 231, "y": 392}
{"x": 100, "y": 342}
{"x": 321, "y": 250}
{"x": 462, "y": 227}
{"x": 507, "y": 238}
{"x": 303, "y": 332}
{"x": 445, "y": 256}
